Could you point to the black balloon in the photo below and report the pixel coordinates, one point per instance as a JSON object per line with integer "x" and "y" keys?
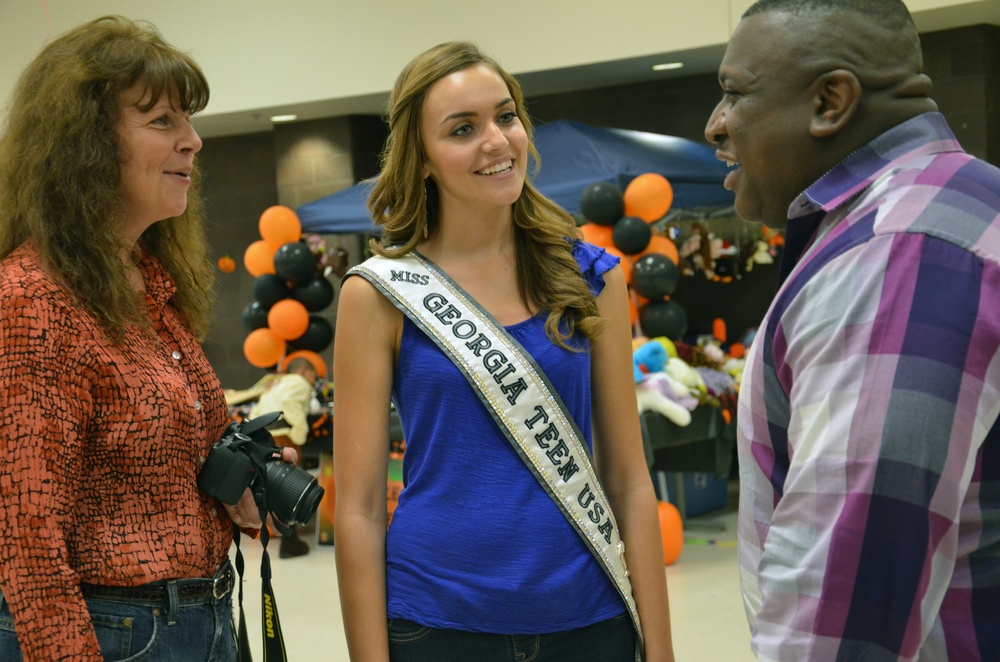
{"x": 631, "y": 235}
{"x": 317, "y": 337}
{"x": 663, "y": 318}
{"x": 602, "y": 203}
{"x": 315, "y": 294}
{"x": 269, "y": 289}
{"x": 294, "y": 261}
{"x": 654, "y": 276}
{"x": 254, "y": 316}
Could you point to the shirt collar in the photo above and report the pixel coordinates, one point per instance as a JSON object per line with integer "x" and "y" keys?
{"x": 160, "y": 287}
{"x": 919, "y": 136}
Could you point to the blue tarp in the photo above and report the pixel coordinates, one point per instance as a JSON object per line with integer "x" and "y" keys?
{"x": 574, "y": 155}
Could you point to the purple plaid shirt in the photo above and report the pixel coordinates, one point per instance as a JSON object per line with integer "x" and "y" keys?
{"x": 868, "y": 436}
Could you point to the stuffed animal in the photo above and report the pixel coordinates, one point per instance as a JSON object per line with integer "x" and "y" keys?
{"x": 761, "y": 255}
{"x": 648, "y": 357}
{"x": 686, "y": 375}
{"x": 655, "y": 389}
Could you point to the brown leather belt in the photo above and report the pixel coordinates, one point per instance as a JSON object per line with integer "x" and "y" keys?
{"x": 188, "y": 590}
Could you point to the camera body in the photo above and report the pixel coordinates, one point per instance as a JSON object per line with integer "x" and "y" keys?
{"x": 247, "y": 457}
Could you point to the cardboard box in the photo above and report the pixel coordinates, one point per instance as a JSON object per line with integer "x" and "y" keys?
{"x": 702, "y": 492}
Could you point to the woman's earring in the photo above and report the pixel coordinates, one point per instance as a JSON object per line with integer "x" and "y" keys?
{"x": 426, "y": 195}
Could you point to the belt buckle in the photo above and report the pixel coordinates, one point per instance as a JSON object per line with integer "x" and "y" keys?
{"x": 222, "y": 584}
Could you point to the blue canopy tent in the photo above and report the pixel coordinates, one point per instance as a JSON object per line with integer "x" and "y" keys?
{"x": 574, "y": 155}
{"x": 344, "y": 212}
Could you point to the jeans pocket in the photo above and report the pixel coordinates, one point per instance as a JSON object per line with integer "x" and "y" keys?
{"x": 127, "y": 637}
{"x": 10, "y": 650}
{"x": 402, "y": 631}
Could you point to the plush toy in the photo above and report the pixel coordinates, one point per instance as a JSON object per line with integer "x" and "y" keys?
{"x": 655, "y": 389}
{"x": 648, "y": 357}
{"x": 759, "y": 253}
{"x": 668, "y": 345}
{"x": 686, "y": 375}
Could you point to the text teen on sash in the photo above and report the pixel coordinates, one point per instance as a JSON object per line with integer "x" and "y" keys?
{"x": 505, "y": 344}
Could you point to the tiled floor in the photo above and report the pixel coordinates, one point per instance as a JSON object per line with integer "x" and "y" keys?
{"x": 706, "y": 610}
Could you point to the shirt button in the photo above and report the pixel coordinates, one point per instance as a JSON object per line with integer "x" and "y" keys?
{"x": 215, "y": 513}
{"x": 197, "y": 405}
{"x": 201, "y": 460}
{"x": 176, "y": 355}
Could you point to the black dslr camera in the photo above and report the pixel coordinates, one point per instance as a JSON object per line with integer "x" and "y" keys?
{"x": 247, "y": 456}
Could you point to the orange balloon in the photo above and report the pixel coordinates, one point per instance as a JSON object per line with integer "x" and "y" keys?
{"x": 288, "y": 318}
{"x": 648, "y": 197}
{"x": 313, "y": 357}
{"x": 259, "y": 258}
{"x": 661, "y": 246}
{"x": 671, "y": 531}
{"x": 262, "y": 348}
{"x": 623, "y": 260}
{"x": 279, "y": 225}
{"x": 598, "y": 235}
{"x": 737, "y": 350}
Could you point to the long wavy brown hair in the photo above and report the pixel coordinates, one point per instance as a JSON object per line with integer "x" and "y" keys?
{"x": 60, "y": 169}
{"x": 404, "y": 204}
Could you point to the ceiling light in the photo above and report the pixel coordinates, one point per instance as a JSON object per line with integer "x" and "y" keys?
{"x": 284, "y": 118}
{"x": 667, "y": 65}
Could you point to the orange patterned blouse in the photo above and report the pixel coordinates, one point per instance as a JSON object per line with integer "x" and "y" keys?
{"x": 101, "y": 449}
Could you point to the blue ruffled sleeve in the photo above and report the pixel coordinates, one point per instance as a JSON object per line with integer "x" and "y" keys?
{"x": 594, "y": 263}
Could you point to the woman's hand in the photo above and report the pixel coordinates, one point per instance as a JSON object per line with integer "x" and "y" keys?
{"x": 246, "y": 514}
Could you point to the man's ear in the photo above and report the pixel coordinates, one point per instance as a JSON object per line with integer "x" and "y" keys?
{"x": 837, "y": 97}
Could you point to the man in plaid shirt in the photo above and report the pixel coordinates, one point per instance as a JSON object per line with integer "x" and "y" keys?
{"x": 868, "y": 436}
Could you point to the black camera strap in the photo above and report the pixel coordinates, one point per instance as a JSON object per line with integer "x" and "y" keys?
{"x": 274, "y": 641}
{"x": 243, "y": 644}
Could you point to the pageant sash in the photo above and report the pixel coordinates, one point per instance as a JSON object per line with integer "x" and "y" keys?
{"x": 517, "y": 394}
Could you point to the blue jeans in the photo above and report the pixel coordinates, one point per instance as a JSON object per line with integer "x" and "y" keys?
{"x": 133, "y": 631}
{"x": 612, "y": 640}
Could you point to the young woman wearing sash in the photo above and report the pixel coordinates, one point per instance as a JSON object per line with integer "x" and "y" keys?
{"x": 505, "y": 344}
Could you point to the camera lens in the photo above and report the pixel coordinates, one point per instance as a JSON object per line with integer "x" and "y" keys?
{"x": 292, "y": 493}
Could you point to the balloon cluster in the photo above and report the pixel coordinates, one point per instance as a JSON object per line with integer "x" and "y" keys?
{"x": 289, "y": 285}
{"x": 621, "y": 223}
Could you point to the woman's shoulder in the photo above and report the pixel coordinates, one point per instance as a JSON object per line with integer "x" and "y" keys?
{"x": 26, "y": 287}
{"x": 594, "y": 262}
{"x": 22, "y": 273}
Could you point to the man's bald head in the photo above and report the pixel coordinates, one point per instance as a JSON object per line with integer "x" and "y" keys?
{"x": 811, "y": 80}
{"x": 875, "y": 40}
{"x": 303, "y": 366}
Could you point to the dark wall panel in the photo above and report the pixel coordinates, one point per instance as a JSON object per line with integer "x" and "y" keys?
{"x": 240, "y": 183}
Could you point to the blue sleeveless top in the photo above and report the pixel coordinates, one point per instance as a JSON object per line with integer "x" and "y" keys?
{"x": 475, "y": 543}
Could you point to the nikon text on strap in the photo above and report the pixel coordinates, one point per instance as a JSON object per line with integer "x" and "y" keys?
{"x": 517, "y": 394}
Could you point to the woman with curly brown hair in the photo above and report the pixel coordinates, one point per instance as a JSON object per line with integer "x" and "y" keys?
{"x": 504, "y": 342}
{"x": 108, "y": 403}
